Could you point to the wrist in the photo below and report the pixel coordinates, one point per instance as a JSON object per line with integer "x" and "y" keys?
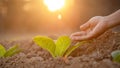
{"x": 113, "y": 19}
{"x": 109, "y": 22}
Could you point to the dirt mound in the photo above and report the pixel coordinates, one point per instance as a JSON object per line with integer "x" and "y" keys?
{"x": 91, "y": 55}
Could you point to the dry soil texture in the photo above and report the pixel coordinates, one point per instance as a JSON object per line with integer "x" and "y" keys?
{"x": 96, "y": 54}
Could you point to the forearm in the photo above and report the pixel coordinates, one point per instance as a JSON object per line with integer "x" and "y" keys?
{"x": 113, "y": 19}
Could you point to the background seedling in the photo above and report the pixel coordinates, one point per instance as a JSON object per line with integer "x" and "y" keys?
{"x": 10, "y": 52}
{"x": 60, "y": 48}
{"x": 116, "y": 56}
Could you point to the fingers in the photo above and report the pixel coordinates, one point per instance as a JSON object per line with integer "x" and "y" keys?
{"x": 80, "y": 38}
{"x": 85, "y": 26}
{"x": 91, "y": 23}
{"x": 76, "y": 36}
{"x": 90, "y": 30}
{"x": 78, "y": 33}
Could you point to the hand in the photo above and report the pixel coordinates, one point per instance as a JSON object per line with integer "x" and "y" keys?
{"x": 92, "y": 29}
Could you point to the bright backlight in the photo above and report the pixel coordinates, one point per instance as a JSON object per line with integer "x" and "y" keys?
{"x": 59, "y": 16}
{"x": 54, "y": 5}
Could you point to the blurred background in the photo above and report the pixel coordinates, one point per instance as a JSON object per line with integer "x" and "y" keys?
{"x": 32, "y": 17}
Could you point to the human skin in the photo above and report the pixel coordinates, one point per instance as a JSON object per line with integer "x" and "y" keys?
{"x": 96, "y": 26}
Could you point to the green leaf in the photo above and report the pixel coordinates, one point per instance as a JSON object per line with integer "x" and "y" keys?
{"x": 2, "y": 51}
{"x": 62, "y": 45}
{"x": 12, "y": 51}
{"x": 46, "y": 43}
{"x": 116, "y": 56}
{"x": 72, "y": 48}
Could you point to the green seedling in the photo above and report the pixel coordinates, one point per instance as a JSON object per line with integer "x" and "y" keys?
{"x": 2, "y": 51}
{"x": 116, "y": 56}
{"x": 59, "y": 48}
{"x": 10, "y": 52}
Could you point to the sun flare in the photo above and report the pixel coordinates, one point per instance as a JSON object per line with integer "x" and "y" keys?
{"x": 54, "y": 5}
{"x": 59, "y": 16}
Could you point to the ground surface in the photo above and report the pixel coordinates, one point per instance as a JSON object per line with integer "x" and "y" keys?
{"x": 91, "y": 55}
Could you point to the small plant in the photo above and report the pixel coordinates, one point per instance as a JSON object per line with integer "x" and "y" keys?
{"x": 10, "y": 52}
{"x": 116, "y": 56}
{"x": 59, "y": 48}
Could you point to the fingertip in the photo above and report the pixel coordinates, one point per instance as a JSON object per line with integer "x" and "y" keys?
{"x": 85, "y": 26}
{"x": 81, "y": 27}
{"x": 71, "y": 37}
{"x": 75, "y": 38}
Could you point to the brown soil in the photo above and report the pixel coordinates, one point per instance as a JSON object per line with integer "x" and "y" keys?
{"x": 96, "y": 54}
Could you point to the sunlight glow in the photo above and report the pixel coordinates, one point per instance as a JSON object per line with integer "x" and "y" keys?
{"x": 54, "y": 5}
{"x": 59, "y": 16}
